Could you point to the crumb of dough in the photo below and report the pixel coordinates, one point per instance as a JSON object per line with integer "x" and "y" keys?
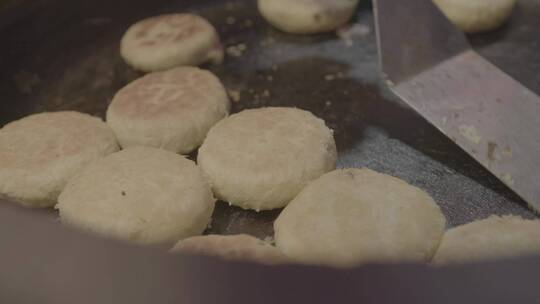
{"x": 470, "y": 133}
{"x": 329, "y": 77}
{"x": 234, "y": 94}
{"x": 236, "y": 50}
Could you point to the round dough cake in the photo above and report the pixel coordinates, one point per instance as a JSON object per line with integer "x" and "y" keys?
{"x": 489, "y": 239}
{"x": 41, "y": 152}
{"x": 261, "y": 158}
{"x": 172, "y": 110}
{"x": 474, "y": 16}
{"x": 307, "y": 16}
{"x": 166, "y": 41}
{"x": 352, "y": 216}
{"x": 141, "y": 194}
{"x": 232, "y": 247}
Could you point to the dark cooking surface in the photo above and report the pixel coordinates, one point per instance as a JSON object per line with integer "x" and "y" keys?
{"x": 71, "y": 62}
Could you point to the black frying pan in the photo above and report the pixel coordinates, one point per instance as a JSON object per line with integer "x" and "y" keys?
{"x": 60, "y": 55}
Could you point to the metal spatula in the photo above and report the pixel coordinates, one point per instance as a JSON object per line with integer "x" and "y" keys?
{"x": 429, "y": 64}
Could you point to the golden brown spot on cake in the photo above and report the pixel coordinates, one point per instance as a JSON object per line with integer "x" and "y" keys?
{"x": 188, "y": 31}
{"x": 152, "y": 102}
{"x": 146, "y": 26}
{"x": 163, "y": 36}
{"x": 178, "y": 27}
{"x": 140, "y": 34}
{"x": 148, "y": 43}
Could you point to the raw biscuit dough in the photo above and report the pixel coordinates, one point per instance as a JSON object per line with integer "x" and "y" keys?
{"x": 261, "y": 158}
{"x": 353, "y": 216}
{"x": 41, "y": 152}
{"x": 489, "y": 239}
{"x": 474, "y": 16}
{"x": 233, "y": 247}
{"x": 166, "y": 41}
{"x": 307, "y": 16}
{"x": 144, "y": 195}
{"x": 172, "y": 110}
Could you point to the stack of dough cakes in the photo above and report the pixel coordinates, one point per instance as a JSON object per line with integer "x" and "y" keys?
{"x": 129, "y": 178}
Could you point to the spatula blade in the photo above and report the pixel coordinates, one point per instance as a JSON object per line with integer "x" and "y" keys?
{"x": 429, "y": 64}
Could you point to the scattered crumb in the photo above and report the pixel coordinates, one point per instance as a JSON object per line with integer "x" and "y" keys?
{"x": 389, "y": 82}
{"x": 230, "y": 20}
{"x": 340, "y": 75}
{"x": 269, "y": 240}
{"x": 236, "y": 50}
{"x": 329, "y": 77}
{"x": 349, "y": 33}
{"x": 235, "y": 95}
{"x": 348, "y": 43}
{"x": 266, "y": 93}
{"x": 507, "y": 151}
{"x": 491, "y": 155}
{"x": 507, "y": 178}
{"x": 328, "y": 103}
{"x": 274, "y": 67}
{"x": 470, "y": 133}
{"x": 270, "y": 78}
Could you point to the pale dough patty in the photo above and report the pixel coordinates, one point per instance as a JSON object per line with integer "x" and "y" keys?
{"x": 166, "y": 41}
{"x": 261, "y": 158}
{"x": 473, "y": 16}
{"x": 352, "y": 216}
{"x": 232, "y": 247}
{"x": 172, "y": 110}
{"x": 307, "y": 16}
{"x": 144, "y": 195}
{"x": 41, "y": 152}
{"x": 489, "y": 239}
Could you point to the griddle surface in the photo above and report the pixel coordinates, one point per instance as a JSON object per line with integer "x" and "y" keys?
{"x": 63, "y": 55}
